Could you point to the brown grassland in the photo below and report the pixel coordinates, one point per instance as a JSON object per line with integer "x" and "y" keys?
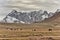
{"x": 35, "y": 31}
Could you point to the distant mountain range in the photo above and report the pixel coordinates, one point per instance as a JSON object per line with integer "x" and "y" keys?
{"x": 29, "y": 17}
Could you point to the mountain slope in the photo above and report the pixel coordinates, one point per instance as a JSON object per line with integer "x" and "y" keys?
{"x": 27, "y": 17}
{"x": 54, "y": 19}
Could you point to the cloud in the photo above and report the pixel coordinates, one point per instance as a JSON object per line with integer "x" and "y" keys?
{"x": 44, "y": 3}
{"x": 30, "y": 4}
{"x": 7, "y": 5}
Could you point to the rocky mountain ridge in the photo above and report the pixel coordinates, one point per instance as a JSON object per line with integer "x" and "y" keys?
{"x": 27, "y": 17}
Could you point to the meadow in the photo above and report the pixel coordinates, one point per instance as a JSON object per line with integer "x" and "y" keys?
{"x": 35, "y": 31}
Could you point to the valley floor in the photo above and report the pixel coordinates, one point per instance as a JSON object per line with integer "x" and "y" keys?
{"x": 36, "y": 31}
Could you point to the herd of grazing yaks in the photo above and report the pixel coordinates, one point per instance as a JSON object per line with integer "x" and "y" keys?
{"x": 14, "y": 28}
{"x": 50, "y": 29}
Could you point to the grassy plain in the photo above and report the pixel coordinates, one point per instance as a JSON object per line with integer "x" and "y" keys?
{"x": 35, "y": 31}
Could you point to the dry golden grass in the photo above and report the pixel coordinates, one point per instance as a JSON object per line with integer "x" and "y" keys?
{"x": 35, "y": 31}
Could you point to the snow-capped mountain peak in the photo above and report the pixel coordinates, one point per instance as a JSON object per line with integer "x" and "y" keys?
{"x": 26, "y": 17}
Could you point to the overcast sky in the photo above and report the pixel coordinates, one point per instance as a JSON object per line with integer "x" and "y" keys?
{"x": 7, "y": 5}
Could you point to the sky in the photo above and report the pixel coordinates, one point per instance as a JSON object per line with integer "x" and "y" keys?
{"x": 6, "y": 6}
